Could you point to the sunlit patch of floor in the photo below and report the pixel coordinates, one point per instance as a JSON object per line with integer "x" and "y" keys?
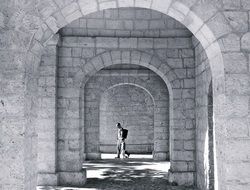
{"x": 139, "y": 156}
{"x": 139, "y": 163}
{"x": 135, "y": 173}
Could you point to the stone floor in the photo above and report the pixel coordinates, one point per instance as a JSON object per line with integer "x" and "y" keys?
{"x": 125, "y": 174}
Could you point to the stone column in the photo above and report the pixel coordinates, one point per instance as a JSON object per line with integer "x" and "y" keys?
{"x": 91, "y": 126}
{"x": 12, "y": 123}
{"x": 161, "y": 129}
{"x": 182, "y": 138}
{"x": 46, "y": 125}
{"x": 69, "y": 145}
{"x": 18, "y": 140}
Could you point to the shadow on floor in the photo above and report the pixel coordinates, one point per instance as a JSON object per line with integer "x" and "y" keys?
{"x": 131, "y": 174}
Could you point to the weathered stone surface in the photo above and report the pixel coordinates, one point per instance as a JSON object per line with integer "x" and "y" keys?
{"x": 235, "y": 172}
{"x": 238, "y": 20}
{"x": 75, "y": 179}
{"x": 125, "y": 22}
{"x": 20, "y": 57}
{"x": 181, "y": 178}
{"x": 87, "y": 6}
{"x": 235, "y": 63}
{"x": 128, "y": 42}
{"x": 231, "y": 4}
{"x": 107, "y": 42}
{"x": 218, "y": 25}
{"x": 230, "y": 42}
{"x": 245, "y": 41}
{"x": 47, "y": 179}
{"x": 237, "y": 84}
{"x": 136, "y": 126}
{"x": 245, "y": 4}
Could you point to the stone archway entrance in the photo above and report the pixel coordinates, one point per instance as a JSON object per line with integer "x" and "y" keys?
{"x": 147, "y": 118}
{"x": 175, "y": 10}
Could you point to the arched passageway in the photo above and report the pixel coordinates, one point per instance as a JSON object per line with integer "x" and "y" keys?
{"x": 171, "y": 57}
{"x": 181, "y": 12}
{"x": 136, "y": 109}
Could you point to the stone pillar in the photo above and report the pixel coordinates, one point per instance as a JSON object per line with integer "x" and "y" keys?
{"x": 12, "y": 123}
{"x": 18, "y": 138}
{"x": 69, "y": 127}
{"x": 182, "y": 138}
{"x": 46, "y": 125}
{"x": 161, "y": 130}
{"x": 91, "y": 123}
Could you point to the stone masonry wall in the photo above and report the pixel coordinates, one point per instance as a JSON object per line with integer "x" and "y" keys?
{"x": 177, "y": 55}
{"x": 99, "y": 84}
{"x": 136, "y": 120}
{"x": 134, "y": 108}
{"x": 222, "y": 26}
{"x": 47, "y": 115}
{"x": 176, "y": 52}
{"x": 126, "y": 22}
{"x": 204, "y": 140}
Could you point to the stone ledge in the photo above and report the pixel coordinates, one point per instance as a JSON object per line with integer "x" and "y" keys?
{"x": 47, "y": 179}
{"x": 93, "y": 156}
{"x": 125, "y": 42}
{"x": 181, "y": 178}
{"x": 161, "y": 156}
{"x": 75, "y": 179}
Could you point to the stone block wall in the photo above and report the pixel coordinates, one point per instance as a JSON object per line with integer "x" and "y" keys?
{"x": 173, "y": 56}
{"x": 133, "y": 107}
{"x": 126, "y": 22}
{"x": 204, "y": 119}
{"x": 140, "y": 122}
{"x": 170, "y": 55}
{"x": 18, "y": 143}
{"x": 221, "y": 26}
{"x": 47, "y": 115}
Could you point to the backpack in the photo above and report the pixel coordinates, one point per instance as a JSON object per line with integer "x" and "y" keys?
{"x": 124, "y": 133}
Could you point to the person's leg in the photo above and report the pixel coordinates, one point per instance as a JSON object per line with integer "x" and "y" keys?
{"x": 128, "y": 154}
{"x": 123, "y": 149}
{"x": 118, "y": 148}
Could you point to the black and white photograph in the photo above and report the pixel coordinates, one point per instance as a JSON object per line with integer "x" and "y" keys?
{"x": 124, "y": 94}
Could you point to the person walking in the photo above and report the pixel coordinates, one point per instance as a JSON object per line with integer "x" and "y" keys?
{"x": 121, "y": 145}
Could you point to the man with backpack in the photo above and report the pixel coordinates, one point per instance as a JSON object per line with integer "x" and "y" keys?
{"x": 121, "y": 146}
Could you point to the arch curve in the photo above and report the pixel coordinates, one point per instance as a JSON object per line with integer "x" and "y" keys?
{"x": 161, "y": 109}
{"x": 186, "y": 12}
{"x": 149, "y": 91}
{"x": 178, "y": 9}
{"x": 135, "y": 57}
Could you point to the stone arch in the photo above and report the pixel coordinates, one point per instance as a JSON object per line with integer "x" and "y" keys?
{"x": 167, "y": 74}
{"x": 185, "y": 12}
{"x": 150, "y": 104}
{"x": 159, "y": 152}
{"x": 137, "y": 84}
{"x": 130, "y": 57}
{"x": 114, "y": 57}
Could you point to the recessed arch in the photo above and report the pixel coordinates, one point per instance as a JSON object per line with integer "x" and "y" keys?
{"x": 116, "y": 57}
{"x": 159, "y": 153}
{"x": 146, "y": 60}
{"x": 149, "y": 91}
{"x": 137, "y": 142}
{"x": 142, "y": 59}
{"x": 179, "y": 10}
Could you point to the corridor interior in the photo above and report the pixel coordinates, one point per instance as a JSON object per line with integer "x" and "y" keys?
{"x": 138, "y": 67}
